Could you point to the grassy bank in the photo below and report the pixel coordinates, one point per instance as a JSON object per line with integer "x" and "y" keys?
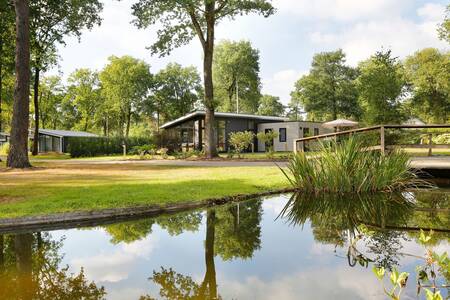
{"x": 54, "y": 187}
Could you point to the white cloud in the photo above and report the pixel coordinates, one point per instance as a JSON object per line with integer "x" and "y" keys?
{"x": 326, "y": 283}
{"x": 282, "y": 83}
{"x": 115, "y": 266}
{"x": 431, "y": 12}
{"x": 362, "y": 39}
{"x": 341, "y": 10}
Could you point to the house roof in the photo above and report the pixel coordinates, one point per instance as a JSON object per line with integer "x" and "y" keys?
{"x": 66, "y": 133}
{"x": 200, "y": 113}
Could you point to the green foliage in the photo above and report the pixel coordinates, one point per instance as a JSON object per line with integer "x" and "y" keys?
{"x": 82, "y": 100}
{"x": 241, "y": 140}
{"x": 51, "y": 102}
{"x": 129, "y": 232}
{"x": 4, "y": 149}
{"x": 267, "y": 138}
{"x": 126, "y": 83}
{"x": 444, "y": 27}
{"x": 236, "y": 74}
{"x": 380, "y": 85}
{"x": 96, "y": 146}
{"x": 328, "y": 91}
{"x": 427, "y": 275}
{"x": 347, "y": 168}
{"x": 176, "y": 91}
{"x": 182, "y": 20}
{"x": 270, "y": 106}
{"x": 427, "y": 74}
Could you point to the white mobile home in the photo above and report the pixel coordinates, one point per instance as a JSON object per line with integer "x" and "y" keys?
{"x": 289, "y": 131}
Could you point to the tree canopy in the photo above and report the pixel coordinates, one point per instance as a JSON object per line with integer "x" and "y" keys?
{"x": 270, "y": 106}
{"x": 428, "y": 76}
{"x": 328, "y": 91}
{"x": 236, "y": 77}
{"x": 381, "y": 86}
{"x": 176, "y": 91}
{"x": 126, "y": 84}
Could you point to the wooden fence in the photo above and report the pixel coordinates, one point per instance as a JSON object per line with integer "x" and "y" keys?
{"x": 300, "y": 144}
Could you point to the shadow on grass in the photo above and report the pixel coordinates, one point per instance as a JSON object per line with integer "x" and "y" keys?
{"x": 64, "y": 199}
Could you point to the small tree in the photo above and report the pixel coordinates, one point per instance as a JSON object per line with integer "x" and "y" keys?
{"x": 267, "y": 138}
{"x": 241, "y": 140}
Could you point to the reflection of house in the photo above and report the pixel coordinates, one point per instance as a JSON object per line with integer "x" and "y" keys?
{"x": 190, "y": 129}
{"x": 4, "y": 138}
{"x": 57, "y": 140}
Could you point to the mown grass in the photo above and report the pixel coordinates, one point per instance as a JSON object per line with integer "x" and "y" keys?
{"x": 55, "y": 187}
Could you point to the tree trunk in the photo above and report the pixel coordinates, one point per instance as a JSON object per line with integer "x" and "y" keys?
{"x": 210, "y": 140}
{"x": 210, "y": 274}
{"x": 1, "y": 82}
{"x": 18, "y": 154}
{"x": 23, "y": 251}
{"x": 127, "y": 131}
{"x": 37, "y": 72}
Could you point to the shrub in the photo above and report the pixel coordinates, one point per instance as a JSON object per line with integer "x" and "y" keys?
{"x": 348, "y": 168}
{"x": 241, "y": 140}
{"x": 163, "y": 152}
{"x": 4, "y": 149}
{"x": 95, "y": 146}
{"x": 267, "y": 138}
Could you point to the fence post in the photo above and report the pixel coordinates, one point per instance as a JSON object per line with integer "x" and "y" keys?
{"x": 382, "y": 141}
{"x": 295, "y": 146}
{"x": 430, "y": 144}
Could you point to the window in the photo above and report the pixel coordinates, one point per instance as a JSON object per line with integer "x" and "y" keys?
{"x": 305, "y": 132}
{"x": 251, "y": 125}
{"x": 282, "y": 135}
{"x": 316, "y": 131}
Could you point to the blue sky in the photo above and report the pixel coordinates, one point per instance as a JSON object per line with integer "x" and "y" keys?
{"x": 287, "y": 41}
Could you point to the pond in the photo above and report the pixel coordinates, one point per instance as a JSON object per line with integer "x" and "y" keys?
{"x": 279, "y": 247}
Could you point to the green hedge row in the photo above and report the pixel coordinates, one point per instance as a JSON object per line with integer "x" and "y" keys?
{"x": 95, "y": 146}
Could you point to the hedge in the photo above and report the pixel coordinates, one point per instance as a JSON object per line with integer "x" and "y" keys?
{"x": 95, "y": 146}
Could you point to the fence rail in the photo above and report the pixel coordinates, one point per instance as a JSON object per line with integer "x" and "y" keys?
{"x": 381, "y": 129}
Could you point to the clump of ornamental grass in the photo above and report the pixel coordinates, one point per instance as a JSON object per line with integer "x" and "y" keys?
{"x": 348, "y": 167}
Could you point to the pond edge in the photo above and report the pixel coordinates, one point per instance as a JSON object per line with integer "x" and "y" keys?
{"x": 112, "y": 215}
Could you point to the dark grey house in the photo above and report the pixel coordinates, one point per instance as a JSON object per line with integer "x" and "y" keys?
{"x": 190, "y": 128}
{"x": 57, "y": 140}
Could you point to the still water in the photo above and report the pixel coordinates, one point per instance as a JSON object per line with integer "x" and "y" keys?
{"x": 280, "y": 247}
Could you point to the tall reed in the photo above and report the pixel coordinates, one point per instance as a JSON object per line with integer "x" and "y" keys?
{"x": 347, "y": 167}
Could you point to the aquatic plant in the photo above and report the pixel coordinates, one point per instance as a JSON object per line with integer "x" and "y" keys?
{"x": 348, "y": 167}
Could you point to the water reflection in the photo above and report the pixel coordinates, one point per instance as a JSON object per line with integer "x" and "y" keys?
{"x": 30, "y": 269}
{"x": 245, "y": 244}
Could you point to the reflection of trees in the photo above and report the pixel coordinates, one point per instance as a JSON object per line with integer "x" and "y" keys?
{"x": 130, "y": 231}
{"x": 177, "y": 224}
{"x": 30, "y": 270}
{"x": 337, "y": 220}
{"x": 238, "y": 231}
{"x": 231, "y": 232}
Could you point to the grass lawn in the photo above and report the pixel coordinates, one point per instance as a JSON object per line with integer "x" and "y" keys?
{"x": 56, "y": 186}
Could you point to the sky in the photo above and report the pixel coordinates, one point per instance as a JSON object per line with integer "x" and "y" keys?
{"x": 287, "y": 41}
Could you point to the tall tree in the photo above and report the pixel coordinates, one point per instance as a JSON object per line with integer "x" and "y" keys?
{"x": 381, "y": 85}
{"x": 270, "y": 106}
{"x": 444, "y": 27}
{"x": 52, "y": 21}
{"x": 181, "y": 21}
{"x": 84, "y": 97}
{"x": 176, "y": 91}
{"x": 236, "y": 76}
{"x": 51, "y": 97}
{"x": 428, "y": 75}
{"x": 126, "y": 84}
{"x": 6, "y": 48}
{"x": 18, "y": 154}
{"x": 328, "y": 91}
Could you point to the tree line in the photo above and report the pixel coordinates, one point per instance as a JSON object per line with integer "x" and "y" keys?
{"x": 31, "y": 31}
{"x": 381, "y": 90}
